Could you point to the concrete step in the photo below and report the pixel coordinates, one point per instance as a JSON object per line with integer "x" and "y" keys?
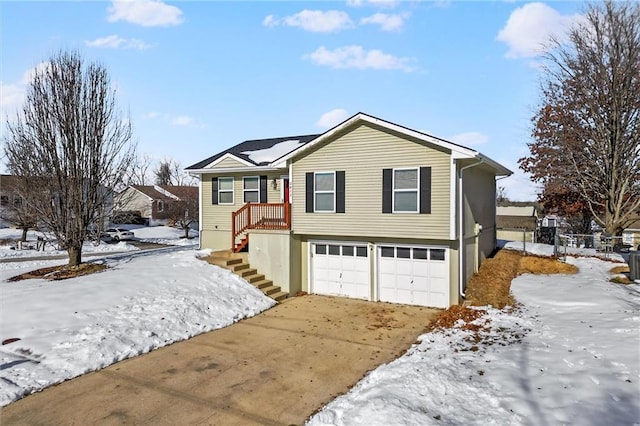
{"x": 233, "y": 261}
{"x": 279, "y": 296}
{"x": 262, "y": 283}
{"x": 237, "y": 267}
{"x": 270, "y": 290}
{"x": 247, "y": 272}
{"x": 253, "y": 278}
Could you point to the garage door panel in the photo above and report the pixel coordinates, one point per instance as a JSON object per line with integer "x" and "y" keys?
{"x": 341, "y": 269}
{"x": 413, "y": 275}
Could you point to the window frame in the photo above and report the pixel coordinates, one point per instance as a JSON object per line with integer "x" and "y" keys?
{"x": 394, "y": 191}
{"x": 245, "y": 190}
{"x": 316, "y": 191}
{"x": 160, "y": 206}
{"x": 233, "y": 195}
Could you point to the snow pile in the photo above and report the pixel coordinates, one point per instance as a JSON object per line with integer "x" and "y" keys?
{"x": 68, "y": 328}
{"x": 569, "y": 355}
{"x": 271, "y": 154}
{"x": 165, "y": 235}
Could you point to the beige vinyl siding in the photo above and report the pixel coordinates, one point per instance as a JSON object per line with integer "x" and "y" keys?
{"x": 134, "y": 200}
{"x": 362, "y": 153}
{"x": 228, "y": 163}
{"x": 218, "y": 217}
{"x": 480, "y": 207}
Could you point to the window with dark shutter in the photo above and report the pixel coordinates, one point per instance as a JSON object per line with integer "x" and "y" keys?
{"x": 387, "y": 190}
{"x": 309, "y": 192}
{"x": 263, "y": 189}
{"x": 425, "y": 190}
{"x": 340, "y": 191}
{"x": 214, "y": 190}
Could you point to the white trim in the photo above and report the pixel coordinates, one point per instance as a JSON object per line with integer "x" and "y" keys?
{"x": 245, "y": 190}
{"x": 200, "y": 208}
{"x": 233, "y": 191}
{"x": 315, "y": 191}
{"x": 226, "y": 156}
{"x": 135, "y": 189}
{"x": 166, "y": 193}
{"x": 220, "y": 171}
{"x": 452, "y": 199}
{"x": 291, "y": 185}
{"x": 393, "y": 190}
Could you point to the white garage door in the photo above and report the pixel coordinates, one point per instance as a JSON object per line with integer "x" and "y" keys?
{"x": 340, "y": 269}
{"x": 414, "y": 275}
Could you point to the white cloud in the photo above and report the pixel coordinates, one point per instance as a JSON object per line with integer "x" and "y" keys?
{"x": 375, "y": 3}
{"x": 316, "y": 21}
{"x": 117, "y": 42}
{"x": 152, "y": 114}
{"x": 147, "y": 13}
{"x": 387, "y": 22}
{"x": 331, "y": 118}
{"x": 469, "y": 138}
{"x": 183, "y": 120}
{"x": 529, "y": 28}
{"x": 359, "y": 58}
{"x": 11, "y": 98}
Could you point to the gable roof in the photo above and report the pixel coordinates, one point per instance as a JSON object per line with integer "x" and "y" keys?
{"x": 167, "y": 192}
{"x": 530, "y": 211}
{"x": 247, "y": 150}
{"x": 258, "y": 152}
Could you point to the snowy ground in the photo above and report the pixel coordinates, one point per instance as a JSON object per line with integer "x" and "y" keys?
{"x": 569, "y": 355}
{"x": 142, "y": 302}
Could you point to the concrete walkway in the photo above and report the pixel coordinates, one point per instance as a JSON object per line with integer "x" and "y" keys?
{"x": 276, "y": 368}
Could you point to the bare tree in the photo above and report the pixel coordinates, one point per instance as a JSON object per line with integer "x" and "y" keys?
{"x": 14, "y": 208}
{"x": 591, "y": 101}
{"x": 72, "y": 146}
{"x": 139, "y": 170}
{"x": 169, "y": 172}
{"x": 182, "y": 214}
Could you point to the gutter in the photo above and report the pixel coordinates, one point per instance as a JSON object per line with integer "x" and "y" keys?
{"x": 460, "y": 227}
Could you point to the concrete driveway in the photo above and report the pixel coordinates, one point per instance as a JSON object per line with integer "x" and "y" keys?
{"x": 276, "y": 368}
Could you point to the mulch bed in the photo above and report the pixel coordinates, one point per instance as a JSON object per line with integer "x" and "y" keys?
{"x": 61, "y": 272}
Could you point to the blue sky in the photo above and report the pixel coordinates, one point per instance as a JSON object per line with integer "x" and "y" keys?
{"x": 198, "y": 77}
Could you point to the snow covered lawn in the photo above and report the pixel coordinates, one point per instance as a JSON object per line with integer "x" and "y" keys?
{"x": 569, "y": 355}
{"x": 68, "y": 328}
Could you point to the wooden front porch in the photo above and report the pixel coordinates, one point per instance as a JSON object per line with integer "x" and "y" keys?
{"x": 273, "y": 216}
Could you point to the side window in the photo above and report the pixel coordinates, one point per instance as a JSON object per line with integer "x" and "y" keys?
{"x": 405, "y": 190}
{"x": 160, "y": 205}
{"x": 324, "y": 192}
{"x": 225, "y": 190}
{"x": 251, "y": 187}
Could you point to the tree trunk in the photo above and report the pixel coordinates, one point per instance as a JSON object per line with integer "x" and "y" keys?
{"x": 24, "y": 234}
{"x": 186, "y": 231}
{"x": 75, "y": 255}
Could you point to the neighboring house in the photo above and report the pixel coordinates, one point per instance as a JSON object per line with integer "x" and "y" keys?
{"x": 516, "y": 223}
{"x": 631, "y": 235}
{"x": 368, "y": 209}
{"x": 157, "y": 204}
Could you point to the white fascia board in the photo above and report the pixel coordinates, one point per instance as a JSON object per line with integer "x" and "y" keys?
{"x": 453, "y": 199}
{"x": 500, "y": 169}
{"x": 231, "y": 156}
{"x": 225, "y": 170}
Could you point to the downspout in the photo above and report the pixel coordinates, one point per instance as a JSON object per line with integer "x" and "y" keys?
{"x": 460, "y": 227}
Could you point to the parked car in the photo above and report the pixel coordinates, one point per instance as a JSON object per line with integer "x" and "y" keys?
{"x": 118, "y": 234}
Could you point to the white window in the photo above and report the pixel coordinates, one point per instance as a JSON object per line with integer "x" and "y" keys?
{"x": 225, "y": 190}
{"x": 405, "y": 190}
{"x": 324, "y": 192}
{"x": 251, "y": 189}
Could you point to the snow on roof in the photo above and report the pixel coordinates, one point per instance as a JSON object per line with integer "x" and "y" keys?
{"x": 271, "y": 154}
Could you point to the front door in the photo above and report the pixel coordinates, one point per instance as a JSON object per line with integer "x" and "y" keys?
{"x": 285, "y": 194}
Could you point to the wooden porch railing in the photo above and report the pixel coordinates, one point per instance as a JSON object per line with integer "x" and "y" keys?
{"x": 259, "y": 216}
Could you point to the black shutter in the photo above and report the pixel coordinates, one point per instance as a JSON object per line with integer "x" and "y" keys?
{"x": 340, "y": 191}
{"x": 214, "y": 190}
{"x": 262, "y": 198}
{"x": 425, "y": 190}
{"x": 309, "y": 192}
{"x": 387, "y": 190}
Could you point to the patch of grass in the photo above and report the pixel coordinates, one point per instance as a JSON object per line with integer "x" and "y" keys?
{"x": 61, "y": 272}
{"x": 491, "y": 285}
{"x": 621, "y": 279}
{"x": 622, "y": 269}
